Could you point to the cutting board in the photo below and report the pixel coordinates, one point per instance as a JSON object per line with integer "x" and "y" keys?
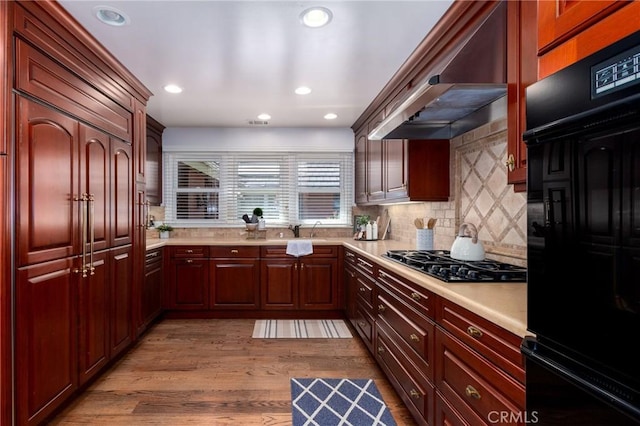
{"x": 383, "y": 226}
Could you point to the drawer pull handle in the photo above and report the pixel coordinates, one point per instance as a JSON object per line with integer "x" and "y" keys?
{"x": 414, "y": 394}
{"x": 414, "y": 338}
{"x": 472, "y": 392}
{"x": 234, "y": 251}
{"x": 350, "y": 254}
{"x": 189, "y": 261}
{"x": 380, "y": 349}
{"x": 362, "y": 289}
{"x": 415, "y": 296}
{"x": 474, "y": 332}
{"x": 381, "y": 308}
{"x": 362, "y": 324}
{"x": 188, "y": 251}
{"x": 352, "y": 274}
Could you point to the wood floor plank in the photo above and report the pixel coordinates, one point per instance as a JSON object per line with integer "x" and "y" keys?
{"x": 193, "y": 372}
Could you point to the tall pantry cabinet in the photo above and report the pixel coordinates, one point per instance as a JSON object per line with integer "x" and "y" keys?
{"x": 75, "y": 151}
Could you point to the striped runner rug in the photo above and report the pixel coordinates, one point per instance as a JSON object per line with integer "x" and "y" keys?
{"x": 301, "y": 329}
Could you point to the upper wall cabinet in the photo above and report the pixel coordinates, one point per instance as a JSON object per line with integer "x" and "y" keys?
{"x": 569, "y": 30}
{"x": 153, "y": 169}
{"x": 522, "y": 71}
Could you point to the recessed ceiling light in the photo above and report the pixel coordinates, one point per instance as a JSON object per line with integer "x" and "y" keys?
{"x": 303, "y": 90}
{"x": 330, "y": 116}
{"x": 264, "y": 116}
{"x": 316, "y": 17}
{"x": 111, "y": 16}
{"x": 173, "y": 88}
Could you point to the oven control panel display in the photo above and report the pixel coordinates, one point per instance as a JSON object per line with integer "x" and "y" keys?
{"x": 617, "y": 73}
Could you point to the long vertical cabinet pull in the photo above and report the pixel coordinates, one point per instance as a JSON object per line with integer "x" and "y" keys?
{"x": 83, "y": 230}
{"x": 92, "y": 232}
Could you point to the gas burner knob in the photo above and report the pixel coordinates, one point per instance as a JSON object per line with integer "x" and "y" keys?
{"x": 455, "y": 269}
{"x": 444, "y": 272}
{"x": 434, "y": 269}
{"x": 473, "y": 275}
{"x": 463, "y": 271}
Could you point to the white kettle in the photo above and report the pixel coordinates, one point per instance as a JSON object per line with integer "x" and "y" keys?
{"x": 466, "y": 245}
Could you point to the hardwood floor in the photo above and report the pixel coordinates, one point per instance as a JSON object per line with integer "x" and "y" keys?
{"x": 212, "y": 372}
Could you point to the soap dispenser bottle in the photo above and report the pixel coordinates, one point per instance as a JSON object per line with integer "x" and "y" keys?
{"x": 368, "y": 231}
{"x": 374, "y": 231}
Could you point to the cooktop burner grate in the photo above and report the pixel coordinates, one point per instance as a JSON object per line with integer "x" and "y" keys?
{"x": 440, "y": 264}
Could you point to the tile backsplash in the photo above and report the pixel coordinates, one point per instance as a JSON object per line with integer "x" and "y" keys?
{"x": 479, "y": 195}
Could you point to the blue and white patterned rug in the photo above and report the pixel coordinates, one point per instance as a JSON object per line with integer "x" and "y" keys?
{"x": 328, "y": 402}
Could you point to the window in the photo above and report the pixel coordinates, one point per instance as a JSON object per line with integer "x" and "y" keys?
{"x": 291, "y": 188}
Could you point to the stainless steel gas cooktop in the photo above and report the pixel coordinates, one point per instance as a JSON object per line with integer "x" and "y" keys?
{"x": 439, "y": 264}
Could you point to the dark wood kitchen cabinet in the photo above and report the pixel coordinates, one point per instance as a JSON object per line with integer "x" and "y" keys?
{"x": 73, "y": 114}
{"x": 153, "y": 163}
{"x": 188, "y": 278}
{"x": 360, "y": 154}
{"x": 479, "y": 369}
{"x": 522, "y": 71}
{"x": 304, "y": 283}
{"x": 361, "y": 296}
{"x": 234, "y": 277}
{"x": 152, "y": 290}
{"x": 405, "y": 341}
{"x": 572, "y": 30}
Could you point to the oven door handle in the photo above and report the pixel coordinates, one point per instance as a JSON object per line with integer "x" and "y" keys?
{"x": 571, "y": 370}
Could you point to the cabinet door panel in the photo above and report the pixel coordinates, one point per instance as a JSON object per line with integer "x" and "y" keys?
{"x": 279, "y": 284}
{"x": 189, "y": 284}
{"x": 319, "y": 283}
{"x": 93, "y": 314}
{"x": 121, "y": 299}
{"x": 396, "y": 168}
{"x": 234, "y": 284}
{"x": 46, "y": 339}
{"x": 122, "y": 193}
{"x": 47, "y": 182}
{"x": 94, "y": 180}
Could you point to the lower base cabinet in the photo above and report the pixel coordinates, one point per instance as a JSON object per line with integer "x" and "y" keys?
{"x": 188, "y": 278}
{"x": 449, "y": 365}
{"x": 234, "y": 278}
{"x": 152, "y": 289}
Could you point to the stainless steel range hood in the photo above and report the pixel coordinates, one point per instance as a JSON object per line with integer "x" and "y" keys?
{"x": 462, "y": 90}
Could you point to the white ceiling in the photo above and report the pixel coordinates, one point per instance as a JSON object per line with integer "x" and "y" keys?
{"x": 237, "y": 59}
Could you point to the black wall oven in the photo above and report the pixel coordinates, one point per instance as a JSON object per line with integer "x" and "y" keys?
{"x": 583, "y": 151}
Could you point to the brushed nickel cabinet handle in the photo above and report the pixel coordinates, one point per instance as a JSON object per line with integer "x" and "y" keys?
{"x": 474, "y": 332}
{"x": 189, "y": 261}
{"x": 188, "y": 251}
{"x": 381, "y": 308}
{"x": 414, "y": 338}
{"x": 350, "y": 254}
{"x": 415, "y": 296}
{"x": 472, "y": 392}
{"x": 362, "y": 289}
{"x": 234, "y": 251}
{"x": 92, "y": 232}
{"x": 414, "y": 394}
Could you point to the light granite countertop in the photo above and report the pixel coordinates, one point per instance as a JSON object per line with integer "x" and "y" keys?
{"x": 503, "y": 304}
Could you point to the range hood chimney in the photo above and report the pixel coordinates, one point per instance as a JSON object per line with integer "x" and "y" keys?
{"x": 462, "y": 90}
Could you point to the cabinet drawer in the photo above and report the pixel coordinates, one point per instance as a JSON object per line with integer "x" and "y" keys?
{"x": 281, "y": 251}
{"x": 364, "y": 265}
{"x": 414, "y": 389}
{"x": 496, "y": 344}
{"x": 418, "y": 336}
{"x": 364, "y": 325}
{"x": 190, "y": 252}
{"x": 415, "y": 296}
{"x": 364, "y": 288}
{"x": 472, "y": 384}
{"x": 349, "y": 257}
{"x": 152, "y": 258}
{"x": 231, "y": 251}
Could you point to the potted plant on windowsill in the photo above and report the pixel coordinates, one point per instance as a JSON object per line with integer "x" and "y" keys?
{"x": 164, "y": 230}
{"x": 257, "y": 217}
